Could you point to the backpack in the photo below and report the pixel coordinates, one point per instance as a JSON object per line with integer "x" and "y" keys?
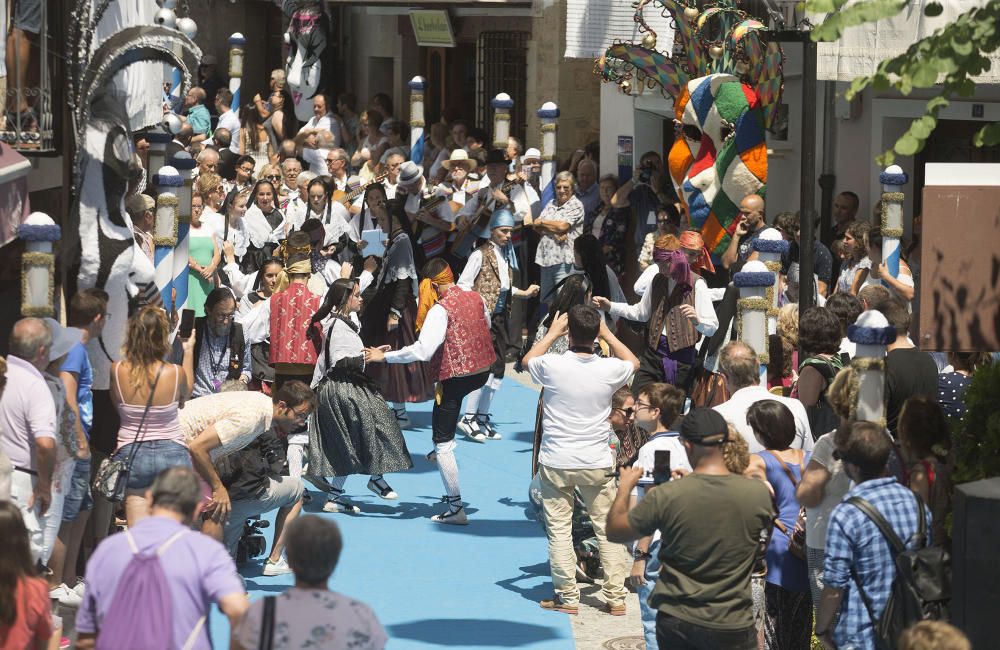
{"x": 822, "y": 419}
{"x": 141, "y": 613}
{"x": 921, "y": 589}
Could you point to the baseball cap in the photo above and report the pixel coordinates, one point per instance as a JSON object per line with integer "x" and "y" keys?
{"x": 704, "y": 426}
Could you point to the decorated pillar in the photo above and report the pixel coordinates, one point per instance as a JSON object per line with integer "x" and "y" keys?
{"x": 770, "y": 246}
{"x": 892, "y": 179}
{"x": 417, "y": 86}
{"x": 167, "y": 181}
{"x": 754, "y": 283}
{"x": 549, "y": 115}
{"x": 236, "y": 44}
{"x": 871, "y": 334}
{"x": 38, "y": 265}
{"x": 158, "y": 141}
{"x": 184, "y": 164}
{"x": 502, "y": 104}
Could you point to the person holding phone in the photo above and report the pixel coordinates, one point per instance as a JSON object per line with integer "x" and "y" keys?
{"x": 656, "y": 409}
{"x": 750, "y": 223}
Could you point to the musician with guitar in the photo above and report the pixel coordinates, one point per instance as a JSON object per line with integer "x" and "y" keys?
{"x": 429, "y": 210}
{"x": 519, "y": 197}
{"x": 559, "y": 224}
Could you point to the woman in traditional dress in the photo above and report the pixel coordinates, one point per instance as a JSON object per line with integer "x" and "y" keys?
{"x": 391, "y": 312}
{"x": 265, "y": 226}
{"x": 352, "y": 430}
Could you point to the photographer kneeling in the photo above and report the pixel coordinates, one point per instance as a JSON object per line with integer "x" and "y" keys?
{"x": 711, "y": 524}
{"x": 252, "y": 478}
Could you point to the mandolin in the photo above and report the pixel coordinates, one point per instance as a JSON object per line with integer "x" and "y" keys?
{"x": 482, "y": 216}
{"x": 346, "y": 198}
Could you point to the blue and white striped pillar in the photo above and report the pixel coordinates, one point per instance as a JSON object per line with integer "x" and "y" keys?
{"x": 892, "y": 179}
{"x": 754, "y": 282}
{"x": 871, "y": 334}
{"x": 770, "y": 246}
{"x": 417, "y": 124}
{"x": 549, "y": 115}
{"x": 184, "y": 164}
{"x": 167, "y": 181}
{"x": 236, "y": 45}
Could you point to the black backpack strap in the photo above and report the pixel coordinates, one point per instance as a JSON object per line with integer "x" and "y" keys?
{"x": 266, "y": 641}
{"x": 199, "y": 330}
{"x": 237, "y": 343}
{"x": 876, "y": 517}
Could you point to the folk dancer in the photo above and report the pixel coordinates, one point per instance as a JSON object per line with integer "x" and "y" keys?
{"x": 455, "y": 338}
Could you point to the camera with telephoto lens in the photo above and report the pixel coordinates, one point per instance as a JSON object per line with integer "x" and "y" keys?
{"x": 252, "y": 543}
{"x": 645, "y": 173}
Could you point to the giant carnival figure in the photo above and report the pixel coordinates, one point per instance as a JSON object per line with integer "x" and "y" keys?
{"x": 726, "y": 82}
{"x": 308, "y": 30}
{"x": 104, "y": 171}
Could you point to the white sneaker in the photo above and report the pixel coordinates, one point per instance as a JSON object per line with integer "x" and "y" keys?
{"x": 80, "y": 587}
{"x": 277, "y": 568}
{"x": 65, "y": 596}
{"x": 470, "y": 426}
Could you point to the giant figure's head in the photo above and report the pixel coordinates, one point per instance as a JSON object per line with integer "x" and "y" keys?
{"x": 719, "y": 155}
{"x": 725, "y": 85}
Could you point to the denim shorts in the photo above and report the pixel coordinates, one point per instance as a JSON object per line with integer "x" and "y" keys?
{"x": 152, "y": 458}
{"x": 28, "y": 15}
{"x": 78, "y": 497}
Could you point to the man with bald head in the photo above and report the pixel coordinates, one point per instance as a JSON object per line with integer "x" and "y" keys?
{"x": 28, "y": 425}
{"x": 749, "y": 225}
{"x": 208, "y": 161}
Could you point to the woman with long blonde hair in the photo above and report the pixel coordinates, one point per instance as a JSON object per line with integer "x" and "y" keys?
{"x": 148, "y": 392}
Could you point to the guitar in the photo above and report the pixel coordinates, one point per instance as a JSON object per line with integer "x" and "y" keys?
{"x": 434, "y": 245}
{"x": 482, "y": 216}
{"x": 345, "y": 198}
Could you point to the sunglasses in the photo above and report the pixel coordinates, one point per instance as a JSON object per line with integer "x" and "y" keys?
{"x": 273, "y": 178}
{"x": 629, "y": 412}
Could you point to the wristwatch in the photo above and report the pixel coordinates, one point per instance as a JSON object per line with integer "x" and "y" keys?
{"x": 641, "y": 555}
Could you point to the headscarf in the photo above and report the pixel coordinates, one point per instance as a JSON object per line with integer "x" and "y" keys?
{"x": 428, "y": 297}
{"x": 692, "y": 240}
{"x": 501, "y": 218}
{"x": 674, "y": 264}
{"x": 297, "y": 258}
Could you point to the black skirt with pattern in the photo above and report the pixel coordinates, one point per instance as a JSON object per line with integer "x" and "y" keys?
{"x": 352, "y": 430}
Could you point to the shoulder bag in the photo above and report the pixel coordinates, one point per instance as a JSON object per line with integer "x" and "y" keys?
{"x": 796, "y": 536}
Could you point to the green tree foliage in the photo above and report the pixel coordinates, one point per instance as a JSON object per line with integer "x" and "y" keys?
{"x": 952, "y": 55}
{"x": 977, "y": 438}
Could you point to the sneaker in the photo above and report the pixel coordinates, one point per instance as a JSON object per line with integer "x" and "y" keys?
{"x": 338, "y": 504}
{"x": 277, "y": 568}
{"x": 457, "y": 518}
{"x": 79, "y": 588}
{"x": 614, "y": 610}
{"x": 557, "y": 605}
{"x": 402, "y": 417}
{"x": 65, "y": 596}
{"x": 381, "y": 488}
{"x": 469, "y": 425}
{"x": 486, "y": 425}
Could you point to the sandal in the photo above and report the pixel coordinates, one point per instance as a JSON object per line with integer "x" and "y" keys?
{"x": 381, "y": 488}
{"x": 453, "y": 517}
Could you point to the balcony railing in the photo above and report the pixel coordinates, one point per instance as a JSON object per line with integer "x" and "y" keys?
{"x": 27, "y": 121}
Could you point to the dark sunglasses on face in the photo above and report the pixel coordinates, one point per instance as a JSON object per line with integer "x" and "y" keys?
{"x": 626, "y": 412}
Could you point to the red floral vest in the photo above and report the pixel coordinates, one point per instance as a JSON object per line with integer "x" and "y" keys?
{"x": 468, "y": 345}
{"x": 291, "y": 339}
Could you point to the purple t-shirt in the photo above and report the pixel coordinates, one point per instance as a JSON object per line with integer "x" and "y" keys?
{"x": 198, "y": 568}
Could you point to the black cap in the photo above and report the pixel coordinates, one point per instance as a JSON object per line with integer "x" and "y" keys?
{"x": 496, "y": 156}
{"x": 705, "y": 427}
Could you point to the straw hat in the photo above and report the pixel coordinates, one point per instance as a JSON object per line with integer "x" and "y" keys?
{"x": 459, "y": 157}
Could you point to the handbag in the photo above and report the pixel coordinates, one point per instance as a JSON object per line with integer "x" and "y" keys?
{"x": 797, "y": 536}
{"x": 266, "y": 641}
{"x": 112, "y": 474}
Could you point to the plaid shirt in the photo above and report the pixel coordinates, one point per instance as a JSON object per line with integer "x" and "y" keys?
{"x": 855, "y": 544}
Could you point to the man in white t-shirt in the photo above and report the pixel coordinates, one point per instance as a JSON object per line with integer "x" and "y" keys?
{"x": 740, "y": 367}
{"x": 575, "y": 452}
{"x": 656, "y": 408}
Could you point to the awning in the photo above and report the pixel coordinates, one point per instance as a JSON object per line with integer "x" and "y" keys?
{"x": 860, "y": 49}
{"x": 593, "y": 25}
{"x": 14, "y": 205}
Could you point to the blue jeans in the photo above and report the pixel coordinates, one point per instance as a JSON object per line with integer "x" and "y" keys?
{"x": 78, "y": 495}
{"x": 647, "y": 612}
{"x": 550, "y": 277}
{"x": 152, "y": 458}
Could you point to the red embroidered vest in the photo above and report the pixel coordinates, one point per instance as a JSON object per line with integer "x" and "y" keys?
{"x": 291, "y": 341}
{"x": 468, "y": 346}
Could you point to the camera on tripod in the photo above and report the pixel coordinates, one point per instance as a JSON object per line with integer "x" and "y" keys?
{"x": 252, "y": 543}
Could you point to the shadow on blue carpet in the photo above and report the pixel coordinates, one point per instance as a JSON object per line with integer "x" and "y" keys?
{"x": 483, "y": 633}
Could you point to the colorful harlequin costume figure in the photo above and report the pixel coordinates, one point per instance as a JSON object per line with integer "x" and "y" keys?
{"x": 726, "y": 87}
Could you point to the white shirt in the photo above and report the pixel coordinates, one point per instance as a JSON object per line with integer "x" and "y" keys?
{"x": 431, "y": 337}
{"x": 576, "y": 405}
{"x": 475, "y": 265}
{"x": 523, "y": 199}
{"x": 230, "y": 121}
{"x": 316, "y": 159}
{"x": 646, "y": 459}
{"x": 442, "y": 211}
{"x": 645, "y": 279}
{"x": 735, "y": 413}
{"x": 215, "y": 221}
{"x": 343, "y": 343}
{"x": 708, "y": 321}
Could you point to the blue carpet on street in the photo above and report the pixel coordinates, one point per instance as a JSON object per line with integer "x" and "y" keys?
{"x": 431, "y": 585}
